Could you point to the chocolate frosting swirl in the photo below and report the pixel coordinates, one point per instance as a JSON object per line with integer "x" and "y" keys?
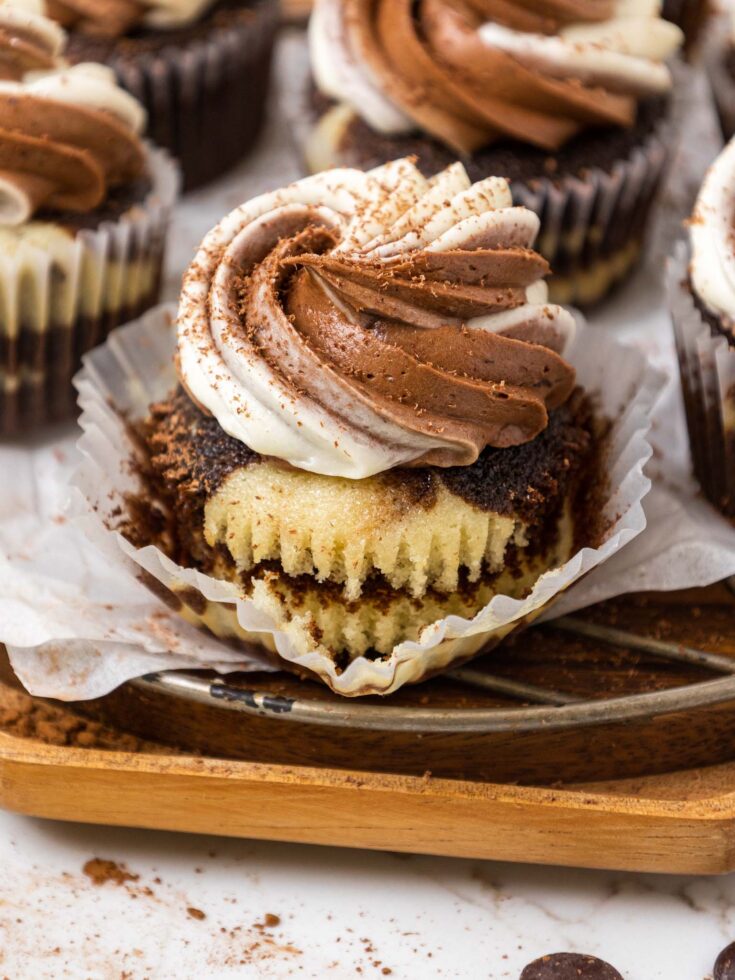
{"x": 114, "y": 18}
{"x": 58, "y": 149}
{"x": 470, "y": 72}
{"x": 355, "y": 322}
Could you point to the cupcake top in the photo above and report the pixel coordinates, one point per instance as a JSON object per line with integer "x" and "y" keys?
{"x": 67, "y": 135}
{"x": 113, "y": 18}
{"x": 471, "y": 72}
{"x": 712, "y": 238}
{"x": 355, "y": 322}
{"x": 28, "y": 40}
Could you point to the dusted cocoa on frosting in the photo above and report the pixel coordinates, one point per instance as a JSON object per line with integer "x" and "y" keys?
{"x": 470, "y": 72}
{"x": 356, "y": 322}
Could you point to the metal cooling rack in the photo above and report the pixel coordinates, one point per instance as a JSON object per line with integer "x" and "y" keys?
{"x": 555, "y": 709}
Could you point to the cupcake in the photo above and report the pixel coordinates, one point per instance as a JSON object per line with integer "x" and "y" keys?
{"x": 201, "y": 68}
{"x": 702, "y": 295}
{"x": 568, "y": 101}
{"x": 689, "y": 15}
{"x": 84, "y": 205}
{"x": 378, "y": 458}
{"x": 719, "y": 57}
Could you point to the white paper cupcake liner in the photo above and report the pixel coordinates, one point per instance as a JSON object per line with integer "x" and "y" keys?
{"x": 61, "y": 293}
{"x": 135, "y": 368}
{"x": 707, "y": 364}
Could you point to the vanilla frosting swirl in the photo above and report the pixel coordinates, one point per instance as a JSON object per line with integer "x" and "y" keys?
{"x": 354, "y": 322}
{"x": 113, "y": 18}
{"x": 712, "y": 237}
{"x": 470, "y": 72}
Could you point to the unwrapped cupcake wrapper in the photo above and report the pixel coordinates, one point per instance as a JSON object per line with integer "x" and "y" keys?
{"x": 707, "y": 363}
{"x": 206, "y": 100}
{"x": 134, "y": 368}
{"x": 720, "y": 78}
{"x": 59, "y": 300}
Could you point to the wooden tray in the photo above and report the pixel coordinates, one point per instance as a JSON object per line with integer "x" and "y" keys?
{"x": 681, "y": 819}
{"x": 684, "y": 823}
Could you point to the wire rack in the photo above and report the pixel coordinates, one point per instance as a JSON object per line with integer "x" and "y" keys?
{"x": 541, "y": 708}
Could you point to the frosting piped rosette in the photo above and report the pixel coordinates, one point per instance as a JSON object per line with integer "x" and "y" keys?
{"x": 356, "y": 322}
{"x": 66, "y": 137}
{"x": 472, "y": 72}
{"x": 712, "y": 236}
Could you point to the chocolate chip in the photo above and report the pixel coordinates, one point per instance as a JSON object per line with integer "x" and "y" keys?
{"x": 725, "y": 964}
{"x": 571, "y": 966}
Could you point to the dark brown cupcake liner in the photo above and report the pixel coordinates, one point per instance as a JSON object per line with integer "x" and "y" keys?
{"x": 206, "y": 99}
{"x": 717, "y": 48}
{"x": 593, "y": 228}
{"x": 707, "y": 366}
{"x": 690, "y": 16}
{"x": 61, "y": 298}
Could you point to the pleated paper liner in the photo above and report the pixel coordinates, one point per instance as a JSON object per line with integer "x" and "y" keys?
{"x": 707, "y": 363}
{"x": 206, "y": 99}
{"x": 62, "y": 292}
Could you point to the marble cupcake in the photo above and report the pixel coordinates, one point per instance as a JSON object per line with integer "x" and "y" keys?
{"x": 378, "y": 459}
{"x": 568, "y": 101}
{"x": 84, "y": 206}
{"x": 702, "y": 296}
{"x": 201, "y": 69}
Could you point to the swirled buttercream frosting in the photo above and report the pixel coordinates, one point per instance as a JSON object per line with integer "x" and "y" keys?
{"x": 117, "y": 17}
{"x": 28, "y": 40}
{"x": 712, "y": 237}
{"x": 67, "y": 135}
{"x": 471, "y": 72}
{"x": 354, "y": 322}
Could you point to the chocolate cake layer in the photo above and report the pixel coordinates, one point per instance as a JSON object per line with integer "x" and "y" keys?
{"x": 118, "y": 202}
{"x": 98, "y": 47}
{"x": 189, "y": 457}
{"x": 512, "y": 159}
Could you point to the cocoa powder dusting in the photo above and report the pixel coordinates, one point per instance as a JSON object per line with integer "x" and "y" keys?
{"x": 102, "y": 872}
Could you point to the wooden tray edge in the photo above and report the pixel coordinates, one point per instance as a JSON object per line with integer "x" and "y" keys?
{"x": 367, "y": 810}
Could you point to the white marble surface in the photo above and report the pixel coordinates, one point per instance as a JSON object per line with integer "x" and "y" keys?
{"x": 343, "y": 913}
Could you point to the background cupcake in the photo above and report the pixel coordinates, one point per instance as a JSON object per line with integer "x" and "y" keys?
{"x": 719, "y": 57}
{"x": 84, "y": 206}
{"x": 379, "y": 461}
{"x": 200, "y": 67}
{"x": 569, "y": 104}
{"x": 690, "y": 16}
{"x": 702, "y": 294}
